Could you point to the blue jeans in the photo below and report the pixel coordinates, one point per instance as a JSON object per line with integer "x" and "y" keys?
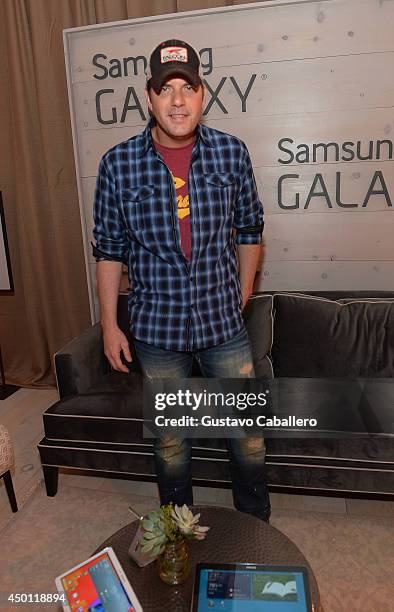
{"x": 232, "y": 359}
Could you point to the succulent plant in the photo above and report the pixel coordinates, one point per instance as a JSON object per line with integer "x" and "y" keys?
{"x": 186, "y": 522}
{"x": 171, "y": 528}
{"x": 154, "y": 539}
{"x": 168, "y": 525}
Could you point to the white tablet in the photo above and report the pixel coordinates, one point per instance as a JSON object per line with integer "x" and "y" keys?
{"x": 99, "y": 584}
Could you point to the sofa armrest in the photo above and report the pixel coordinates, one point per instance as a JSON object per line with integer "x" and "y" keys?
{"x": 81, "y": 363}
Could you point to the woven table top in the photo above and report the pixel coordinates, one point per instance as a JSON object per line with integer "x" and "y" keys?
{"x": 233, "y": 537}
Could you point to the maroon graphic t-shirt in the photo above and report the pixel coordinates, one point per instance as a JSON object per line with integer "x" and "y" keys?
{"x": 177, "y": 161}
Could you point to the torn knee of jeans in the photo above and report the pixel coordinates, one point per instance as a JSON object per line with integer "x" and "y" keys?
{"x": 253, "y": 446}
{"x": 172, "y": 451}
{"x": 247, "y": 368}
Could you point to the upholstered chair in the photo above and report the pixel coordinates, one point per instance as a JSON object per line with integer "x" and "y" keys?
{"x": 6, "y": 462}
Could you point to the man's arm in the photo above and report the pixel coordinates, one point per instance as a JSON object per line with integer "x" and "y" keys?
{"x": 248, "y": 259}
{"x": 110, "y": 252}
{"x": 108, "y": 280}
{"x": 249, "y": 224}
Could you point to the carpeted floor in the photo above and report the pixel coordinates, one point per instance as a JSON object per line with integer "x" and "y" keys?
{"x": 353, "y": 558}
{"x": 50, "y": 535}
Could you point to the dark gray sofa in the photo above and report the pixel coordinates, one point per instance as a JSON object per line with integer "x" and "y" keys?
{"x": 96, "y": 427}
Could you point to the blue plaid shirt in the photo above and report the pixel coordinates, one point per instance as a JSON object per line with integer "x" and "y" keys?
{"x": 176, "y": 304}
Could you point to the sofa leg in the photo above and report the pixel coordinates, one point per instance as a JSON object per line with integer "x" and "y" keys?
{"x": 10, "y": 491}
{"x": 51, "y": 477}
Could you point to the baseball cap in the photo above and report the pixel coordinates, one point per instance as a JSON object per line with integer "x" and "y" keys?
{"x": 173, "y": 58}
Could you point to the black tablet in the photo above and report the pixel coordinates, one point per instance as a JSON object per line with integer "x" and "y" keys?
{"x": 247, "y": 587}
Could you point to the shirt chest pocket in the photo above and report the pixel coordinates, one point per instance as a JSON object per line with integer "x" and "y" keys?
{"x": 222, "y": 190}
{"x": 141, "y": 207}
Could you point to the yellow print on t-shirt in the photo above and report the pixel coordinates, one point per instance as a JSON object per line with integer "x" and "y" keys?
{"x": 182, "y": 201}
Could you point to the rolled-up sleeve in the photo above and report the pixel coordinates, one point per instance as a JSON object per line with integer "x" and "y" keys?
{"x": 109, "y": 231}
{"x": 249, "y": 214}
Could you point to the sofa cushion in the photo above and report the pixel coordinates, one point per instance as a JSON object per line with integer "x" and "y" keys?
{"x": 315, "y": 337}
{"x": 259, "y": 325}
{"x": 120, "y": 382}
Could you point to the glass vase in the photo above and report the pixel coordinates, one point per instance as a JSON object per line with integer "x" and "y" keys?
{"x": 173, "y": 563}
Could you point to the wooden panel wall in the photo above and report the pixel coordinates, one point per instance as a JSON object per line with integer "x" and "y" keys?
{"x": 291, "y": 78}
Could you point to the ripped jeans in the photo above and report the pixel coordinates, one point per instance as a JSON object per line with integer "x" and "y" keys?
{"x": 232, "y": 359}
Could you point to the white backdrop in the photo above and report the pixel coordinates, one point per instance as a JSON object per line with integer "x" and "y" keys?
{"x": 307, "y": 85}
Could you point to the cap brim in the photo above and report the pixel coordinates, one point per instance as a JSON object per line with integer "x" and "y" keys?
{"x": 173, "y": 71}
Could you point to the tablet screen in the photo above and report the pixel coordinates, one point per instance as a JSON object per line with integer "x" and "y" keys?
{"x": 251, "y": 590}
{"x": 96, "y": 587}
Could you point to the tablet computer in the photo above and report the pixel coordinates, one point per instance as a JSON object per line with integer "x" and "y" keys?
{"x": 99, "y": 584}
{"x": 247, "y": 587}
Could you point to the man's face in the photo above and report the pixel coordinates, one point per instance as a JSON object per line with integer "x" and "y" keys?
{"x": 177, "y": 110}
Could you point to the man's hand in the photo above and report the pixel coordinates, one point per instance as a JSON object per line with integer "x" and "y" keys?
{"x": 246, "y": 293}
{"x": 115, "y": 342}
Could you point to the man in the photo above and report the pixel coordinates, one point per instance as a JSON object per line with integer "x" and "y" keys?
{"x": 178, "y": 203}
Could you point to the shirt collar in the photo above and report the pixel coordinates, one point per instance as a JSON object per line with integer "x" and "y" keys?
{"x": 145, "y": 141}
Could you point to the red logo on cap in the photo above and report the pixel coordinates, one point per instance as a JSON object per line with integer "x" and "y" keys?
{"x": 173, "y": 54}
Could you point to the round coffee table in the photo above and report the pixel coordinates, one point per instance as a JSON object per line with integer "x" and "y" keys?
{"x": 233, "y": 537}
